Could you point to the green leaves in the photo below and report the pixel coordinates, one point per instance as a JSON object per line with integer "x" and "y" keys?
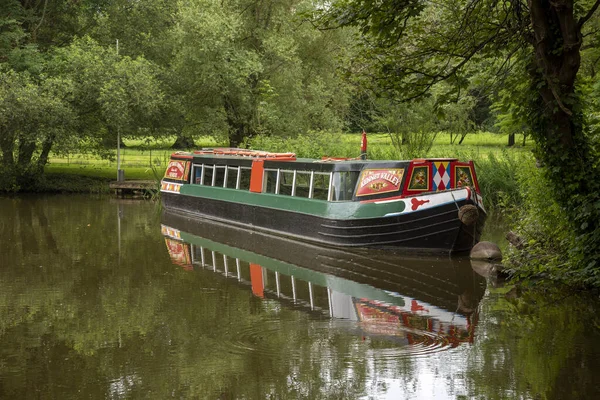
{"x": 258, "y": 68}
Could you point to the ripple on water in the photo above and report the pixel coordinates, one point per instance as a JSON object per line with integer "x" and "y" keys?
{"x": 276, "y": 338}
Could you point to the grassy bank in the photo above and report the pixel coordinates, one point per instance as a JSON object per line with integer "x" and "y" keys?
{"x": 496, "y": 163}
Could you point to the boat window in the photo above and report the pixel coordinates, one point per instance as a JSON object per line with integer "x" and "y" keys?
{"x": 286, "y": 183}
{"x": 197, "y": 177}
{"x": 208, "y": 175}
{"x": 244, "y": 178}
{"x": 320, "y": 186}
{"x": 219, "y": 176}
{"x": 343, "y": 185}
{"x": 232, "y": 177}
{"x": 270, "y": 181}
{"x": 302, "y": 188}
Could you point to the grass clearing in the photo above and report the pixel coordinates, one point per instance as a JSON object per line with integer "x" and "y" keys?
{"x": 108, "y": 172}
{"x": 145, "y": 159}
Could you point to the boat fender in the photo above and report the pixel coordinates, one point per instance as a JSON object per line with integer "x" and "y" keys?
{"x": 486, "y": 251}
{"x": 468, "y": 214}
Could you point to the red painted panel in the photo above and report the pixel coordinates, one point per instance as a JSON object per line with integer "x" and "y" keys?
{"x": 376, "y": 181}
{"x": 177, "y": 170}
{"x": 418, "y": 178}
{"x": 256, "y": 175}
{"x": 463, "y": 175}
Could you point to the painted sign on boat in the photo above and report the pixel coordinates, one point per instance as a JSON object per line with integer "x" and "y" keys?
{"x": 375, "y": 181}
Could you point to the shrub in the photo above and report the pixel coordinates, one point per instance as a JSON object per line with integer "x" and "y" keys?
{"x": 550, "y": 247}
{"x": 497, "y": 177}
{"x": 311, "y": 145}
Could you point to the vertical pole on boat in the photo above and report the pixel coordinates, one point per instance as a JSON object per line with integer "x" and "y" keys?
{"x": 363, "y": 146}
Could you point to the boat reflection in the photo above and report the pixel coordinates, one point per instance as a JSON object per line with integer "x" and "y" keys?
{"x": 425, "y": 301}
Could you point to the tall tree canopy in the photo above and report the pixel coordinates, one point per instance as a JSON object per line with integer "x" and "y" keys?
{"x": 412, "y": 45}
{"x": 230, "y": 69}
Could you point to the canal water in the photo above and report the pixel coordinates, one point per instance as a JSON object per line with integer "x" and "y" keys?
{"x": 110, "y": 299}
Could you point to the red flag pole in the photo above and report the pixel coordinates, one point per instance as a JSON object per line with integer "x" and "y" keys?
{"x": 363, "y": 146}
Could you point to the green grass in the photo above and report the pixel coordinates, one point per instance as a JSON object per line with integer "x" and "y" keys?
{"x": 107, "y": 172}
{"x": 144, "y": 159}
{"x": 138, "y": 153}
{"x": 474, "y": 146}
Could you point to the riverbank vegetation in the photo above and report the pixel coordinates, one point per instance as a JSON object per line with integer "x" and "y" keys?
{"x": 79, "y": 78}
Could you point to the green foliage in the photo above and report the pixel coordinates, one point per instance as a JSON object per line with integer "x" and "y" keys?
{"x": 311, "y": 145}
{"x": 414, "y": 126}
{"x": 35, "y": 114}
{"x": 410, "y": 126}
{"x": 497, "y": 175}
{"x": 255, "y": 68}
{"x": 86, "y": 94}
{"x": 548, "y": 235}
{"x": 110, "y": 92}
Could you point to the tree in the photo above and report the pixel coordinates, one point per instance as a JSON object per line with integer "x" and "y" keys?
{"x": 414, "y": 45}
{"x": 256, "y": 67}
{"x": 110, "y": 92}
{"x": 34, "y": 116}
{"x": 81, "y": 96}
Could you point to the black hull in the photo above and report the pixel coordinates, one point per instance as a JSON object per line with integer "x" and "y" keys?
{"x": 432, "y": 230}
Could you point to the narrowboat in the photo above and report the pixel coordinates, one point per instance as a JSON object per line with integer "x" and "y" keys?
{"x": 425, "y": 205}
{"x": 401, "y": 297}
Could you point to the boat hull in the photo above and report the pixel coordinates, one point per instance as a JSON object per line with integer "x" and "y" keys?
{"x": 433, "y": 229}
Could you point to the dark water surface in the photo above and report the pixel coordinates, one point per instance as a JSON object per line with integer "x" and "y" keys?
{"x": 107, "y": 299}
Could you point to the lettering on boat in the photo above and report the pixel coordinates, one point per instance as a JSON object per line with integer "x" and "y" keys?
{"x": 178, "y": 170}
{"x": 373, "y": 181}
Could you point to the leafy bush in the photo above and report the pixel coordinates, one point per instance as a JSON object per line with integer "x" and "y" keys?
{"x": 497, "y": 177}
{"x": 549, "y": 239}
{"x": 310, "y": 145}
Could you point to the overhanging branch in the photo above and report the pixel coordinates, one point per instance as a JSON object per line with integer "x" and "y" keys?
{"x": 589, "y": 14}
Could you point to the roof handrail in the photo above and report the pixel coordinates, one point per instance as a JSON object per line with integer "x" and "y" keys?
{"x": 249, "y": 153}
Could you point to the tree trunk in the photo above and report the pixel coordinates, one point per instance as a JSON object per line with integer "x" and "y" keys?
{"x": 46, "y": 147}
{"x": 558, "y": 124}
{"x": 26, "y": 150}
{"x": 7, "y": 145}
{"x": 238, "y": 129}
{"x": 511, "y": 139}
{"x": 183, "y": 143}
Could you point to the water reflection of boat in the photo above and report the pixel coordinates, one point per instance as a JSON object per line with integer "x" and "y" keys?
{"x": 418, "y": 299}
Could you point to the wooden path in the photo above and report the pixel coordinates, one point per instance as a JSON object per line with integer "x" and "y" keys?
{"x": 134, "y": 188}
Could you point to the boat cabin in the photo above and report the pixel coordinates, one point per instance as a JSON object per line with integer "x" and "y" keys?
{"x": 328, "y": 179}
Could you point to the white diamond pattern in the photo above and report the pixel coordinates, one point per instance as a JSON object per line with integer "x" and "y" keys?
{"x": 441, "y": 177}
